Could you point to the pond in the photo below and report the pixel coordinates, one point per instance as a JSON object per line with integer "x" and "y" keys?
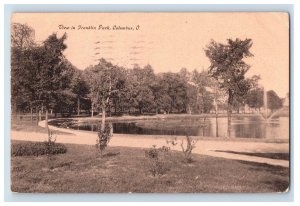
{"x": 242, "y": 127}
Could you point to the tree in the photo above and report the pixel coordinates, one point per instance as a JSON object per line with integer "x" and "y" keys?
{"x": 227, "y": 66}
{"x": 22, "y": 36}
{"x": 65, "y": 97}
{"x": 104, "y": 79}
{"x": 176, "y": 88}
{"x": 22, "y": 42}
{"x": 274, "y": 101}
{"x": 204, "y": 94}
{"x": 140, "y": 80}
{"x": 255, "y": 98}
{"x": 49, "y": 66}
{"x": 161, "y": 100}
{"x": 79, "y": 88}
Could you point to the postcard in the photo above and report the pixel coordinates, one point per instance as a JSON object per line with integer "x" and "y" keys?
{"x": 150, "y": 102}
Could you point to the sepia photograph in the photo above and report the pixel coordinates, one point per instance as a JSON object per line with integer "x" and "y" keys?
{"x": 150, "y": 102}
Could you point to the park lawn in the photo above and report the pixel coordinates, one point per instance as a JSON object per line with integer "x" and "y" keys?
{"x": 124, "y": 170}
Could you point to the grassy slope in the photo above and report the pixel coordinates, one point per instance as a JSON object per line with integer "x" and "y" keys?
{"x": 28, "y": 126}
{"x": 127, "y": 170}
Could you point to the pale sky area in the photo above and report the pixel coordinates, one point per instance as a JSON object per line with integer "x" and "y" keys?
{"x": 170, "y": 41}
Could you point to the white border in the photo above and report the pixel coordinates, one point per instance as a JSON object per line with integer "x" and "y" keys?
{"x": 295, "y": 86}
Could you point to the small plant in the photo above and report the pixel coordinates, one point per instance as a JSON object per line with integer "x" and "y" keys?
{"x": 104, "y": 138}
{"x": 172, "y": 142}
{"x": 187, "y": 151}
{"x": 157, "y": 160}
{"x": 50, "y": 144}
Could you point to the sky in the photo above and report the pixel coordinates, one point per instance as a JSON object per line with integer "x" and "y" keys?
{"x": 169, "y": 41}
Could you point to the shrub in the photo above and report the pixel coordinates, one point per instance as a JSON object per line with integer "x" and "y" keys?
{"x": 187, "y": 151}
{"x": 37, "y": 148}
{"x": 104, "y": 137}
{"x": 157, "y": 160}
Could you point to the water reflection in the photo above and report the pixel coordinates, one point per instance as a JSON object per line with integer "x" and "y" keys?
{"x": 243, "y": 127}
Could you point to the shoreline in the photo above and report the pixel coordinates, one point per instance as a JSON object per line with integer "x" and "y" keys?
{"x": 162, "y": 116}
{"x": 133, "y": 118}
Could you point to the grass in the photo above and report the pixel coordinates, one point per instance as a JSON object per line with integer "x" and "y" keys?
{"x": 28, "y": 126}
{"x": 124, "y": 170}
{"x": 278, "y": 156}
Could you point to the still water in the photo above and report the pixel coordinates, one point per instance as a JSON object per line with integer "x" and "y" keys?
{"x": 242, "y": 127}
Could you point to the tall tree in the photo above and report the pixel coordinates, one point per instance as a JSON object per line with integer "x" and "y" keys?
{"x": 104, "y": 80}
{"x": 141, "y": 80}
{"x": 65, "y": 96}
{"x": 176, "y": 88}
{"x": 22, "y": 36}
{"x": 228, "y": 67}
{"x": 79, "y": 88}
{"x": 22, "y": 41}
{"x": 254, "y": 98}
{"x": 205, "y": 94}
{"x": 50, "y": 68}
{"x": 161, "y": 98}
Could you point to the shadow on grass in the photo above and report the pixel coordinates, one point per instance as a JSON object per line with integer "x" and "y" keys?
{"x": 263, "y": 167}
{"x": 278, "y": 156}
{"x": 111, "y": 154}
{"x": 279, "y": 184}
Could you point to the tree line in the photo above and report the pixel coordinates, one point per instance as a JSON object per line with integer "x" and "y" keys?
{"x": 42, "y": 79}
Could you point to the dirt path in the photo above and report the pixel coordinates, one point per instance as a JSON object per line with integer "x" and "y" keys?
{"x": 204, "y": 147}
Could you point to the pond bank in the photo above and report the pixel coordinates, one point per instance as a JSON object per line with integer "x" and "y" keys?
{"x": 161, "y": 116}
{"x": 244, "y": 127}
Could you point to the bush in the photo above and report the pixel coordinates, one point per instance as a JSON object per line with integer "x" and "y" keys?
{"x": 37, "y": 148}
{"x": 104, "y": 137}
{"x": 157, "y": 160}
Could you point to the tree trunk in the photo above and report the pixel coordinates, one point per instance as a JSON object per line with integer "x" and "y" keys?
{"x": 230, "y": 98}
{"x": 92, "y": 109}
{"x": 47, "y": 126}
{"x": 78, "y": 106}
{"x": 37, "y": 115}
{"x": 14, "y": 108}
{"x": 46, "y": 120}
{"x": 70, "y": 112}
{"x": 109, "y": 110}
{"x": 31, "y": 114}
{"x": 217, "y": 125}
{"x": 40, "y": 115}
{"x": 103, "y": 117}
{"x": 229, "y": 120}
